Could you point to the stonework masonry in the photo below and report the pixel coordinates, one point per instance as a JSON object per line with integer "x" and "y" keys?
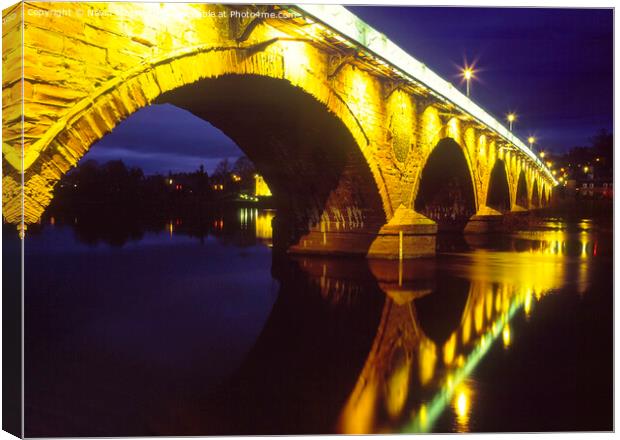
{"x": 88, "y": 66}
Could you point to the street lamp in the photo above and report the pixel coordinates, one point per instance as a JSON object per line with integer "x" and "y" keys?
{"x": 511, "y": 118}
{"x": 531, "y": 141}
{"x": 468, "y": 74}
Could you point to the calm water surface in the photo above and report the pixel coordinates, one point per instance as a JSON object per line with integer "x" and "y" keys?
{"x": 185, "y": 331}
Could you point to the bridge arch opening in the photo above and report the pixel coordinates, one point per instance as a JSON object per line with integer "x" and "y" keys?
{"x": 306, "y": 154}
{"x": 543, "y": 200}
{"x": 446, "y": 191}
{"x": 521, "y": 197}
{"x": 535, "y": 196}
{"x": 498, "y": 196}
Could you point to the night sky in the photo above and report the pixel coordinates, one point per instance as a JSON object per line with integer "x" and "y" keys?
{"x": 553, "y": 67}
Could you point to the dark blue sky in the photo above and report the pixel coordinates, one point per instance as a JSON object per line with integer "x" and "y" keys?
{"x": 554, "y": 67}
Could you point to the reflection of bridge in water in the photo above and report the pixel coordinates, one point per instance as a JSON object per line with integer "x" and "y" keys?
{"x": 370, "y": 345}
{"x": 438, "y": 324}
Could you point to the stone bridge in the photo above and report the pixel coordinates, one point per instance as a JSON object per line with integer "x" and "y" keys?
{"x": 366, "y": 150}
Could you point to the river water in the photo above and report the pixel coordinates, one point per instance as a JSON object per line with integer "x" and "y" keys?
{"x": 178, "y": 331}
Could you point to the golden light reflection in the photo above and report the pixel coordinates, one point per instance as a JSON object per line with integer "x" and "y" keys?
{"x": 498, "y": 301}
{"x": 506, "y": 336}
{"x": 461, "y": 405}
{"x": 428, "y": 359}
{"x": 264, "y": 228}
{"x": 397, "y": 385}
{"x": 501, "y": 283}
{"x": 466, "y": 329}
{"x": 527, "y": 304}
{"x": 423, "y": 414}
{"x": 488, "y": 302}
{"x": 478, "y": 316}
{"x": 359, "y": 414}
{"x": 243, "y": 218}
{"x": 449, "y": 349}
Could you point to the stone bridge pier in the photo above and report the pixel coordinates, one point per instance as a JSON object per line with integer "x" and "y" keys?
{"x": 366, "y": 150}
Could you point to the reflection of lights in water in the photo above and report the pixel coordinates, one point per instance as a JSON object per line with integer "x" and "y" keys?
{"x": 428, "y": 359}
{"x": 170, "y": 228}
{"x": 488, "y": 301}
{"x": 359, "y": 418}
{"x": 479, "y": 317}
{"x": 506, "y": 336}
{"x": 243, "y": 217}
{"x": 448, "y": 350}
{"x": 423, "y": 416}
{"x": 466, "y": 329}
{"x": 263, "y": 225}
{"x": 582, "y": 278}
{"x": 585, "y": 225}
{"x": 397, "y": 384}
{"x": 450, "y": 382}
{"x": 527, "y": 304}
{"x": 501, "y": 284}
{"x": 453, "y": 388}
{"x": 584, "y": 248}
{"x": 559, "y": 242}
{"x": 461, "y": 405}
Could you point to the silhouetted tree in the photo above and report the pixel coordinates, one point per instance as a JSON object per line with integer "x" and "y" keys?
{"x": 222, "y": 170}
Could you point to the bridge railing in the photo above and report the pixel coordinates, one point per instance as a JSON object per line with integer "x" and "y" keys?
{"x": 348, "y": 24}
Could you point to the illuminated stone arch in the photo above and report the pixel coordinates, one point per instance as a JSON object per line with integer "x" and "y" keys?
{"x": 433, "y": 131}
{"x": 446, "y": 183}
{"x": 92, "y": 118}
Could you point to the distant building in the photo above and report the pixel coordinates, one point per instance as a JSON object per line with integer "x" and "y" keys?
{"x": 261, "y": 188}
{"x": 594, "y": 188}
